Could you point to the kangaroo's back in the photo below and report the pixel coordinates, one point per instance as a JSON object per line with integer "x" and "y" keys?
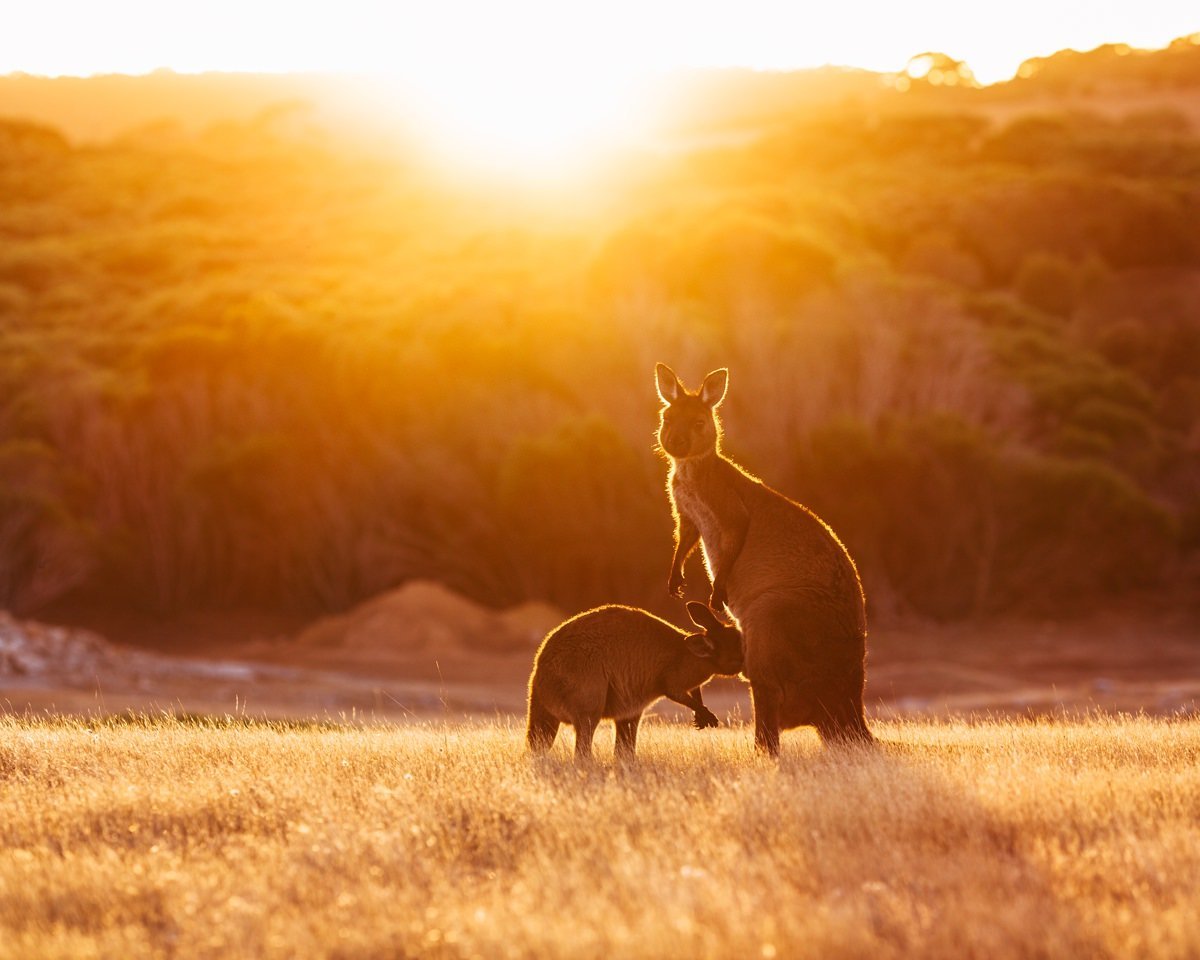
{"x": 595, "y": 639}
{"x": 785, "y": 548}
{"x": 601, "y": 661}
{"x": 790, "y": 550}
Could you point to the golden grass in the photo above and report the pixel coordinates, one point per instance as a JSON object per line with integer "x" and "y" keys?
{"x": 163, "y": 838}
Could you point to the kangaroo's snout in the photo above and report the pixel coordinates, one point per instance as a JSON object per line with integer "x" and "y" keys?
{"x": 674, "y": 443}
{"x": 729, "y": 660}
{"x": 726, "y": 652}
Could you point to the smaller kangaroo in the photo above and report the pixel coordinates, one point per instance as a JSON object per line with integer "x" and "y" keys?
{"x": 613, "y": 662}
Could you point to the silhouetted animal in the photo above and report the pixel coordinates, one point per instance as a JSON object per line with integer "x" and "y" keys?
{"x": 613, "y": 662}
{"x": 780, "y": 570}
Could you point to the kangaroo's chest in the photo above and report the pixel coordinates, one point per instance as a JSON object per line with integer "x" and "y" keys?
{"x": 701, "y": 510}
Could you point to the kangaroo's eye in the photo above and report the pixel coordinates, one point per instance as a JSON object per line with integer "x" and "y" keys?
{"x": 698, "y": 424}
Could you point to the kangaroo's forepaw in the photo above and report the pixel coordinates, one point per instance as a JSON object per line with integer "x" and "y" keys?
{"x": 705, "y": 719}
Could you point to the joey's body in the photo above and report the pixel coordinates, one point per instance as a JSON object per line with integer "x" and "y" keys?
{"x": 780, "y": 570}
{"x": 613, "y": 662}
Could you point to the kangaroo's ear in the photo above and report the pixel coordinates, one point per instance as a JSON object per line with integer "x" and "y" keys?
{"x": 669, "y": 387}
{"x": 702, "y": 616}
{"x": 700, "y": 645}
{"x": 712, "y": 391}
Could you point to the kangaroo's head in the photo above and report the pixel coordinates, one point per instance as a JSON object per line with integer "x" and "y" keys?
{"x": 720, "y": 643}
{"x": 688, "y": 424}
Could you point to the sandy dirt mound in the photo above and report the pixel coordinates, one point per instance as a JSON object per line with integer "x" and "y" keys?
{"x": 422, "y": 651}
{"x": 62, "y": 669}
{"x": 423, "y": 618}
{"x": 417, "y": 650}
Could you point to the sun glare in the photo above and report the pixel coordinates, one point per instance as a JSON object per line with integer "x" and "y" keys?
{"x": 545, "y": 89}
{"x": 528, "y": 119}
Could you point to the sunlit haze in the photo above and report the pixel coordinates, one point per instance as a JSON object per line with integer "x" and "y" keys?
{"x": 536, "y": 81}
{"x": 132, "y": 36}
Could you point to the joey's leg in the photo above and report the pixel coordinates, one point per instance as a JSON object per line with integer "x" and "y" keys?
{"x": 627, "y": 731}
{"x": 767, "y": 705}
{"x": 692, "y": 699}
{"x": 585, "y": 730}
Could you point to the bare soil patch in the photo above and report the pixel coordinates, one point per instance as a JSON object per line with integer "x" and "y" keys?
{"x": 422, "y": 650}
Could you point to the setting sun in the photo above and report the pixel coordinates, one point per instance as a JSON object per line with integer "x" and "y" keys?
{"x": 528, "y": 119}
{"x": 540, "y": 88}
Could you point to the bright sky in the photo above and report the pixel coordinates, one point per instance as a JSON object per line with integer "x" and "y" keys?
{"x": 533, "y": 69}
{"x": 134, "y": 36}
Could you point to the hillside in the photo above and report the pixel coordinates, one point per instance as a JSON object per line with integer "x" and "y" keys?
{"x": 248, "y": 366}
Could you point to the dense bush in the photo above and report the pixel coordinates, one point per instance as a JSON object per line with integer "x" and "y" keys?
{"x": 241, "y": 370}
{"x": 953, "y": 525}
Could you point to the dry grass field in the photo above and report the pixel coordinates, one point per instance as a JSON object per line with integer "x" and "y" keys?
{"x": 156, "y": 837}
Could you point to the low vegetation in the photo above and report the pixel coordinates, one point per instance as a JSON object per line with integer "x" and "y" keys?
{"x": 154, "y": 837}
{"x": 246, "y": 367}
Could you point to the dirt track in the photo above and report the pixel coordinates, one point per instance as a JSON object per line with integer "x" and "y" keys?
{"x": 422, "y": 652}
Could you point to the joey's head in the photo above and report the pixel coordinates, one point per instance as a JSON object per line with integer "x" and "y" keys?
{"x": 719, "y": 643}
{"x": 688, "y": 423}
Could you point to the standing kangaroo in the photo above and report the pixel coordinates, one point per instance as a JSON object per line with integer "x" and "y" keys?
{"x": 779, "y": 568}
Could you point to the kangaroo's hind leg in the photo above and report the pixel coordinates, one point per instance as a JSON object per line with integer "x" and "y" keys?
{"x": 838, "y": 706}
{"x": 585, "y": 731}
{"x": 768, "y": 704}
{"x": 627, "y": 731}
{"x": 587, "y": 707}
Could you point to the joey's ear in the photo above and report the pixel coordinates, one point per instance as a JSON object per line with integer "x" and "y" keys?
{"x": 669, "y": 387}
{"x": 713, "y": 390}
{"x": 700, "y": 645}
{"x": 702, "y": 616}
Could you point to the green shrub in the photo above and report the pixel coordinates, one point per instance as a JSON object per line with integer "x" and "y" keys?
{"x": 1048, "y": 283}
{"x": 585, "y": 522}
{"x": 946, "y": 524}
{"x": 1078, "y": 532}
{"x": 45, "y": 546}
{"x": 719, "y": 259}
